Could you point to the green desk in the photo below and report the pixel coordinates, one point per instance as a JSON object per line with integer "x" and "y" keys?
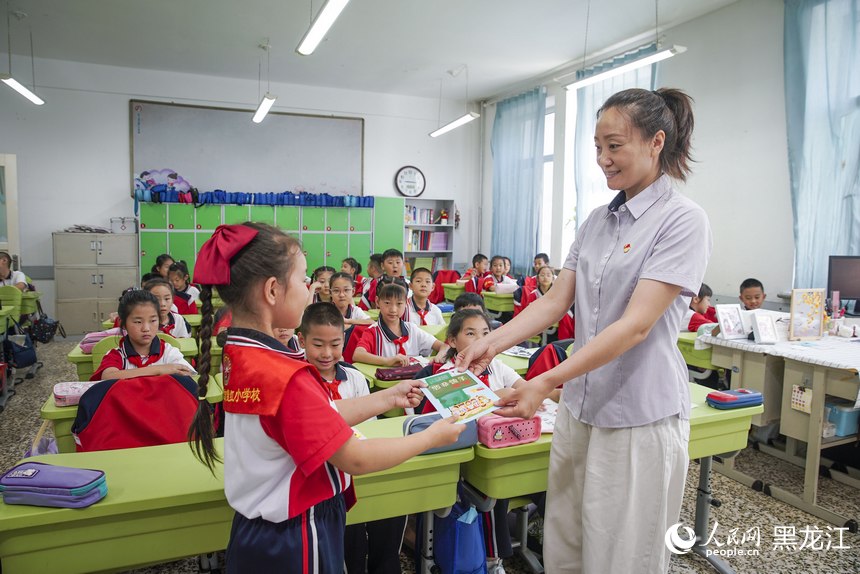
{"x": 393, "y": 492}
{"x": 162, "y": 505}
{"x": 373, "y": 314}
{"x": 700, "y": 358}
{"x": 84, "y": 361}
{"x": 28, "y": 302}
{"x": 64, "y": 417}
{"x": 438, "y": 331}
{"x": 453, "y": 290}
{"x": 498, "y": 302}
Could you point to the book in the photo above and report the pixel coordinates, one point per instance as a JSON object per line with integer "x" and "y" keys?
{"x": 461, "y": 394}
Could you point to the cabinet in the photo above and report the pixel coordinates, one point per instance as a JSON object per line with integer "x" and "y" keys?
{"x": 427, "y": 237}
{"x": 91, "y": 270}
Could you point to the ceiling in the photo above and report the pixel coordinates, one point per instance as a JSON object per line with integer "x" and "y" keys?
{"x": 390, "y": 46}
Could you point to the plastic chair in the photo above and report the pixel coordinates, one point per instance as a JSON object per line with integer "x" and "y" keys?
{"x": 10, "y": 296}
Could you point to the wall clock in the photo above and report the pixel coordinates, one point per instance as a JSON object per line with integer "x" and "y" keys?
{"x": 409, "y": 181}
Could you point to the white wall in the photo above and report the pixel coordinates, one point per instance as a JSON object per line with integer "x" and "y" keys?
{"x": 73, "y": 152}
{"x": 733, "y": 68}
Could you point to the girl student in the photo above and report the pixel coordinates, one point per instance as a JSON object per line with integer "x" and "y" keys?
{"x": 288, "y": 447}
{"x": 625, "y": 394}
{"x": 544, "y": 279}
{"x": 140, "y": 351}
{"x": 161, "y": 267}
{"x": 319, "y": 290}
{"x": 466, "y": 327}
{"x": 341, "y": 286}
{"x": 171, "y": 322}
{"x": 498, "y": 274}
{"x": 181, "y": 281}
{"x": 353, "y": 267}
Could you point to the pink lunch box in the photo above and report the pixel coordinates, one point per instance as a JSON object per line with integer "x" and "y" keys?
{"x": 497, "y": 432}
{"x": 69, "y": 394}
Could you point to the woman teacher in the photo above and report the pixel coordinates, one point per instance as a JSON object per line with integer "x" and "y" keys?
{"x": 619, "y": 450}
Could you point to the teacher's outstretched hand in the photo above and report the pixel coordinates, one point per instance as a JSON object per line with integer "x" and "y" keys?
{"x": 476, "y": 357}
{"x": 521, "y": 402}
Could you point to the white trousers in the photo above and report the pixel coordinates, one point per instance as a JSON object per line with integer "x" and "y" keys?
{"x": 612, "y": 495}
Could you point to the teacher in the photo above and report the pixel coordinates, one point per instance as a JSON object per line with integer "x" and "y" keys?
{"x": 619, "y": 451}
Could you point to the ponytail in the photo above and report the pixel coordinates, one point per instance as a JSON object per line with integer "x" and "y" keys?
{"x": 201, "y": 434}
{"x": 666, "y": 109}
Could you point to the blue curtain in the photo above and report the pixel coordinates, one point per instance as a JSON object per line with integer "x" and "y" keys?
{"x": 517, "y": 148}
{"x": 822, "y": 103}
{"x": 591, "y": 190}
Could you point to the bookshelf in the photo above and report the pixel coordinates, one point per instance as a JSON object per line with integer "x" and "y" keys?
{"x": 428, "y": 239}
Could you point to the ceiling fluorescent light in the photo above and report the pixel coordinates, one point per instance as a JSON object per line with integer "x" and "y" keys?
{"x": 646, "y": 61}
{"x": 462, "y": 120}
{"x": 320, "y": 27}
{"x": 265, "y": 105}
{"x": 21, "y": 89}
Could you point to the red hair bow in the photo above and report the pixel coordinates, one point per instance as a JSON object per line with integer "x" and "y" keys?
{"x": 213, "y": 261}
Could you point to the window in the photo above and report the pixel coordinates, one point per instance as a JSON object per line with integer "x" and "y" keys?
{"x": 545, "y": 243}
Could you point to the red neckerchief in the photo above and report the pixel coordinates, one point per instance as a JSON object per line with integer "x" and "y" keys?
{"x": 421, "y": 312}
{"x": 333, "y": 385}
{"x": 398, "y": 341}
{"x": 133, "y": 358}
{"x": 171, "y": 324}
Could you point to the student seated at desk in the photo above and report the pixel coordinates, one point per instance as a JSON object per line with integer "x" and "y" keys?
{"x": 160, "y": 269}
{"x": 351, "y": 266}
{"x": 171, "y": 322}
{"x": 289, "y": 454}
{"x": 523, "y": 296}
{"x": 8, "y": 276}
{"x": 752, "y": 294}
{"x": 319, "y": 289}
{"x": 419, "y": 309}
{"x": 497, "y": 275}
{"x": 141, "y": 352}
{"x": 474, "y": 301}
{"x": 391, "y": 341}
{"x": 392, "y": 270}
{"x": 477, "y": 273}
{"x": 700, "y": 312}
{"x": 342, "y": 292}
{"x": 466, "y": 327}
{"x": 185, "y": 294}
{"x": 374, "y": 271}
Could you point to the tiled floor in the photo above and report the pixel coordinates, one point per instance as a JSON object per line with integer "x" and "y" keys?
{"x": 742, "y": 508}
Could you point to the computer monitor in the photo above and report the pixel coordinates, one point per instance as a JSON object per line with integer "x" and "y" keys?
{"x": 843, "y": 275}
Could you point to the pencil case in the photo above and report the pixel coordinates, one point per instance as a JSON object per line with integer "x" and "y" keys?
{"x": 398, "y": 373}
{"x": 735, "y": 399}
{"x": 417, "y": 423}
{"x": 497, "y": 432}
{"x": 69, "y": 394}
{"x": 40, "y": 484}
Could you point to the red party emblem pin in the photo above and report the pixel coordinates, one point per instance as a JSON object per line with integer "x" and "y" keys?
{"x": 626, "y": 248}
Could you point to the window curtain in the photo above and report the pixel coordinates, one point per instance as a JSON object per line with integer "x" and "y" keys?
{"x": 822, "y": 104}
{"x": 517, "y": 148}
{"x": 591, "y": 190}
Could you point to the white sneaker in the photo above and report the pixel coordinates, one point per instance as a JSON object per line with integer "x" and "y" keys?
{"x": 495, "y": 566}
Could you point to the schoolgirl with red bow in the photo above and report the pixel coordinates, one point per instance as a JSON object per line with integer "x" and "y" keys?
{"x": 140, "y": 351}
{"x": 288, "y": 449}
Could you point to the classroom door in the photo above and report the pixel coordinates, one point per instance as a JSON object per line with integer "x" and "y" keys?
{"x": 9, "y": 206}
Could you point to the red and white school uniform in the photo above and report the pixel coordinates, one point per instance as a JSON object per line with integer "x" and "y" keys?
{"x": 693, "y": 320}
{"x": 355, "y": 312}
{"x": 368, "y": 295}
{"x": 490, "y": 280}
{"x": 282, "y": 427}
{"x": 475, "y": 283}
{"x": 348, "y": 383}
{"x": 358, "y": 284}
{"x": 379, "y": 340}
{"x": 184, "y": 303}
{"x": 429, "y": 315}
{"x": 528, "y": 296}
{"x": 124, "y": 357}
{"x": 176, "y": 326}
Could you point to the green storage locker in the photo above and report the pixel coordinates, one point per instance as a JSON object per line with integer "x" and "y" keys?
{"x": 287, "y": 218}
{"x": 336, "y": 249}
{"x": 208, "y": 217}
{"x": 180, "y": 216}
{"x": 153, "y": 216}
{"x": 313, "y": 245}
{"x": 263, "y": 214}
{"x": 336, "y": 219}
{"x": 234, "y": 214}
{"x": 182, "y": 247}
{"x": 313, "y": 219}
{"x": 388, "y": 231}
{"x": 152, "y": 244}
{"x": 360, "y": 219}
{"x": 360, "y": 247}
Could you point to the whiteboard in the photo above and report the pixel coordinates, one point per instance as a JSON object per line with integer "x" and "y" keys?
{"x": 220, "y": 148}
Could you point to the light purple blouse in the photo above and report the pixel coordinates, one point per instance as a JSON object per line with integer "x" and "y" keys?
{"x": 659, "y": 235}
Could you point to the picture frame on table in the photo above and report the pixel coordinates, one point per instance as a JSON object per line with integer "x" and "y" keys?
{"x": 807, "y": 315}
{"x": 731, "y": 321}
{"x": 764, "y": 329}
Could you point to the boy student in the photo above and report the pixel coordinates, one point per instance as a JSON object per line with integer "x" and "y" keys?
{"x": 419, "y": 309}
{"x": 476, "y": 275}
{"x": 391, "y": 341}
{"x": 8, "y": 276}
{"x": 700, "y": 312}
{"x": 392, "y": 266}
{"x": 541, "y": 260}
{"x": 374, "y": 271}
{"x": 497, "y": 275}
{"x": 473, "y": 301}
{"x": 752, "y": 294}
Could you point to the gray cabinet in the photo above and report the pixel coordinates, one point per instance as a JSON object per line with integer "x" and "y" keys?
{"x": 91, "y": 270}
